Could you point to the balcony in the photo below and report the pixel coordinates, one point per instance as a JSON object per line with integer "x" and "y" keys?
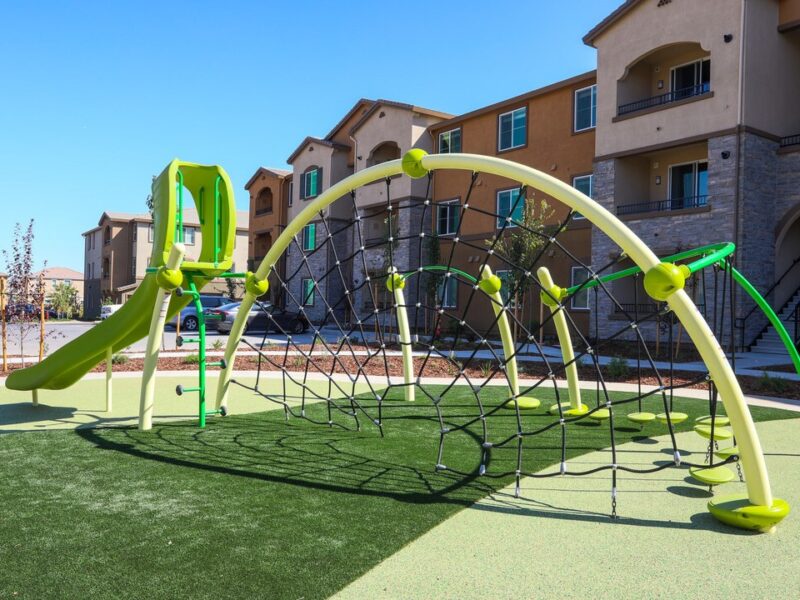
{"x": 663, "y": 205}
{"x": 790, "y": 140}
{"x": 662, "y": 99}
{"x": 263, "y": 211}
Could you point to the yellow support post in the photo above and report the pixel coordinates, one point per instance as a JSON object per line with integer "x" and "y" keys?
{"x": 395, "y": 283}
{"x": 552, "y": 295}
{"x": 109, "y": 372}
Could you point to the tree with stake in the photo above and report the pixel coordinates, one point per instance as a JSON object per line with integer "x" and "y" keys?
{"x": 520, "y": 245}
{"x": 64, "y": 299}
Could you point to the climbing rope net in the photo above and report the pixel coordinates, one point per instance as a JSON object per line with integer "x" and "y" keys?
{"x": 424, "y": 325}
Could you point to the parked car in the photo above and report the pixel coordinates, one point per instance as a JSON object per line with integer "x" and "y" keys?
{"x": 270, "y": 318}
{"x": 27, "y": 311}
{"x": 108, "y": 309}
{"x": 189, "y": 320}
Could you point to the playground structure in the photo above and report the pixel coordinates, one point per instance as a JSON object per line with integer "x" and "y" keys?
{"x": 172, "y": 282}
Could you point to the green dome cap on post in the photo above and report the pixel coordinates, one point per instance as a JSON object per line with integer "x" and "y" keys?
{"x": 412, "y": 163}
{"x": 491, "y": 285}
{"x": 395, "y": 281}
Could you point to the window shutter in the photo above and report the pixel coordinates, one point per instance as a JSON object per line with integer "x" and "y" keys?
{"x": 319, "y": 181}
{"x": 312, "y": 235}
{"x": 302, "y": 186}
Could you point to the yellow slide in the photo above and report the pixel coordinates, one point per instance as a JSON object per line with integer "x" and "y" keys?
{"x": 213, "y": 194}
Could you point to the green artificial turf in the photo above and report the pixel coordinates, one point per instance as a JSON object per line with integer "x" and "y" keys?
{"x": 253, "y": 506}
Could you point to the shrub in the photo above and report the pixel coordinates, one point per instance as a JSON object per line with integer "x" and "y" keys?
{"x": 217, "y": 345}
{"x": 774, "y": 385}
{"x": 618, "y": 368}
{"x": 486, "y": 368}
{"x": 119, "y": 359}
{"x": 191, "y": 359}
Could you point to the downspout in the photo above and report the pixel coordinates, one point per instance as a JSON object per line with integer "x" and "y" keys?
{"x": 739, "y": 126}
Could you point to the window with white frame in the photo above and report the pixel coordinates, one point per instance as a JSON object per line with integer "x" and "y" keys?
{"x": 690, "y": 79}
{"x": 310, "y": 237}
{"x": 507, "y": 284}
{"x": 447, "y": 291}
{"x": 512, "y": 129}
{"x": 311, "y": 184}
{"x": 450, "y": 141}
{"x": 151, "y": 231}
{"x": 579, "y": 300}
{"x": 189, "y": 235}
{"x": 447, "y": 214}
{"x": 509, "y": 204}
{"x": 585, "y": 185}
{"x": 585, "y": 108}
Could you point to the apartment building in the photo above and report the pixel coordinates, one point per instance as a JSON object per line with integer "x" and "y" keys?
{"x": 697, "y": 137}
{"x": 551, "y": 129}
{"x": 372, "y": 132}
{"x": 270, "y": 192}
{"x": 117, "y": 254}
{"x": 64, "y": 275}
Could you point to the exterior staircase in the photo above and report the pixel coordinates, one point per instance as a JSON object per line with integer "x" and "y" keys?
{"x": 769, "y": 342}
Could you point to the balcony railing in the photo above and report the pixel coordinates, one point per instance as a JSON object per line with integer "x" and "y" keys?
{"x": 663, "y": 205}
{"x": 263, "y": 211}
{"x": 790, "y": 140}
{"x": 668, "y": 98}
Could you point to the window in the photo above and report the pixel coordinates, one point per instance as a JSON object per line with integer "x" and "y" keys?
{"x": 509, "y": 206}
{"x": 107, "y": 236}
{"x": 310, "y": 236}
{"x": 291, "y": 192}
{"x": 188, "y": 235}
{"x": 447, "y": 292}
{"x": 513, "y": 127}
{"x": 310, "y": 184}
{"x": 688, "y": 185}
{"x": 307, "y": 287}
{"x": 450, "y": 141}
{"x": 585, "y": 185}
{"x": 690, "y": 79}
{"x": 151, "y": 232}
{"x": 447, "y": 214}
{"x": 505, "y": 289}
{"x": 133, "y": 266}
{"x": 580, "y": 300}
{"x": 585, "y": 108}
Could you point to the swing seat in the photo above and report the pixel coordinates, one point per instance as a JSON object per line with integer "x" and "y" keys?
{"x": 720, "y": 433}
{"x": 712, "y": 475}
{"x": 675, "y": 417}
{"x": 719, "y": 420}
{"x": 524, "y": 402}
{"x": 641, "y": 417}
{"x": 726, "y": 453}
{"x": 600, "y": 414}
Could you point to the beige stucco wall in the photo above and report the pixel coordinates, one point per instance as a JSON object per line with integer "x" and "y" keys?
{"x": 317, "y": 155}
{"x": 391, "y": 124}
{"x": 648, "y": 28}
{"x": 772, "y": 63}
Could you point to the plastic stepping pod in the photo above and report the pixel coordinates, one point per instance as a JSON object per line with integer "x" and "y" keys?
{"x": 675, "y": 417}
{"x": 712, "y": 475}
{"x": 641, "y": 418}
{"x": 719, "y": 433}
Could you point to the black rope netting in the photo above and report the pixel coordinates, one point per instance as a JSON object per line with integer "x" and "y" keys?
{"x": 354, "y": 344}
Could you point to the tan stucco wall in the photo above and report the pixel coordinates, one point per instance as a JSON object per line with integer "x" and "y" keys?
{"x": 317, "y": 155}
{"x": 647, "y": 28}
{"x": 772, "y": 63}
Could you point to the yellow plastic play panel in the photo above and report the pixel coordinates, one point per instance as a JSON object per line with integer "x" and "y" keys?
{"x": 675, "y": 417}
{"x": 736, "y": 510}
{"x": 524, "y": 402}
{"x": 712, "y": 475}
{"x": 720, "y": 433}
{"x": 726, "y": 453}
{"x": 719, "y": 420}
{"x": 642, "y": 417}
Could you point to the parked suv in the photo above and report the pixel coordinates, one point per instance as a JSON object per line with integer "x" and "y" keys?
{"x": 189, "y": 320}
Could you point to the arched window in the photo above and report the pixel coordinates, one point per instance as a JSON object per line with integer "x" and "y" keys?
{"x": 264, "y": 202}
{"x": 383, "y": 152}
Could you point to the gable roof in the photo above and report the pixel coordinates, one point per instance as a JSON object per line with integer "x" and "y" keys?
{"x": 61, "y": 273}
{"x": 279, "y": 173}
{"x": 312, "y": 140}
{"x": 509, "y": 102}
{"x": 615, "y": 16}
{"x": 356, "y": 107}
{"x": 189, "y": 218}
{"x": 381, "y": 102}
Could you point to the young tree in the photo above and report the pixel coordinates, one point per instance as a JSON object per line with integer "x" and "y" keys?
{"x": 64, "y": 299}
{"x": 233, "y": 287}
{"x": 521, "y": 246}
{"x": 25, "y": 290}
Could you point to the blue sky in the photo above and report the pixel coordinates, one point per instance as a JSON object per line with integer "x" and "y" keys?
{"x": 98, "y": 96}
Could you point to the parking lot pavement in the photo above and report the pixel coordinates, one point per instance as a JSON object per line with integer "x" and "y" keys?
{"x": 60, "y": 334}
